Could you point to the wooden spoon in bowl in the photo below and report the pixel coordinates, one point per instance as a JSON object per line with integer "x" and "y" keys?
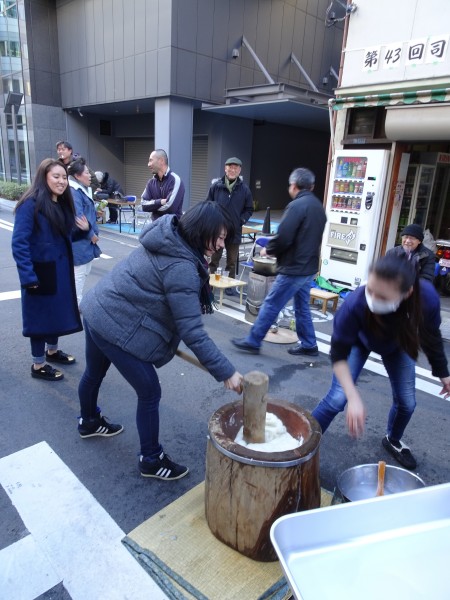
{"x": 381, "y": 474}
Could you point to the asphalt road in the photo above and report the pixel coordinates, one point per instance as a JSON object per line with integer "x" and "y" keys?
{"x": 32, "y": 411}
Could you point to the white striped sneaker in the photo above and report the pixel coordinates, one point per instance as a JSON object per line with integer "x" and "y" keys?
{"x": 98, "y": 427}
{"x": 161, "y": 468}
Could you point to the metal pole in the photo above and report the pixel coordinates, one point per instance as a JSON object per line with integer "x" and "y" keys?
{"x": 256, "y": 59}
{"x": 16, "y": 144}
{"x": 295, "y": 60}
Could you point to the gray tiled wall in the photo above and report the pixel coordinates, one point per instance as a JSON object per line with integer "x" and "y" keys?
{"x": 113, "y": 50}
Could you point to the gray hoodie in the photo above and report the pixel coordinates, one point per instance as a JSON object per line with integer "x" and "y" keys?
{"x": 150, "y": 300}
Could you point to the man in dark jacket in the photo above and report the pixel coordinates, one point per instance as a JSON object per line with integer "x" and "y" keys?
{"x": 296, "y": 247}
{"x": 164, "y": 192}
{"x": 64, "y": 150}
{"x": 108, "y": 185}
{"x": 235, "y": 199}
{"x": 412, "y": 238}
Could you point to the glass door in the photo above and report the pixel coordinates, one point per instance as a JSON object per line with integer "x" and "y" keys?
{"x": 407, "y": 203}
{"x": 423, "y": 194}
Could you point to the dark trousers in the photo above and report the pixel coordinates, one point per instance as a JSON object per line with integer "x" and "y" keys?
{"x": 140, "y": 375}
{"x": 232, "y": 256}
{"x": 112, "y": 212}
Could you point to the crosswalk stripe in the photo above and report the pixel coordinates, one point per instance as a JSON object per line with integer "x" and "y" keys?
{"x": 424, "y": 379}
{"x": 10, "y": 295}
{"x": 25, "y": 557}
{"x": 71, "y": 529}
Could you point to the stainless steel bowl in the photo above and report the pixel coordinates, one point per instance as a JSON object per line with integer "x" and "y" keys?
{"x": 265, "y": 265}
{"x": 360, "y": 483}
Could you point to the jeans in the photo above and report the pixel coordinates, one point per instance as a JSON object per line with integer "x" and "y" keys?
{"x": 38, "y": 348}
{"x": 284, "y": 288}
{"x": 402, "y": 376}
{"x": 232, "y": 256}
{"x": 140, "y": 375}
{"x": 81, "y": 272}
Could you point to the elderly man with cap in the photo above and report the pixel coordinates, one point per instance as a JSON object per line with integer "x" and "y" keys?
{"x": 412, "y": 238}
{"x": 235, "y": 199}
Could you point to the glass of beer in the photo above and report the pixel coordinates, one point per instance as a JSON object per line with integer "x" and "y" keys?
{"x": 218, "y": 273}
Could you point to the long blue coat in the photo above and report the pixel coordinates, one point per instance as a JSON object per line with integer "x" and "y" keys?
{"x": 44, "y": 257}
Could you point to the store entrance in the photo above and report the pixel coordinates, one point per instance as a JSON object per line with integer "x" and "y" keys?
{"x": 438, "y": 219}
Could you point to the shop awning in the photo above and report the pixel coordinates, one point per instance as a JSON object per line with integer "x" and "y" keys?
{"x": 392, "y": 99}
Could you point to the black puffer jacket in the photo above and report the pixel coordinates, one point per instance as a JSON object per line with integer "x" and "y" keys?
{"x": 299, "y": 236}
{"x": 237, "y": 206}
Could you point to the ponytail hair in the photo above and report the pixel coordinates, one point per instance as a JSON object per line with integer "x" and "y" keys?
{"x": 404, "y": 271}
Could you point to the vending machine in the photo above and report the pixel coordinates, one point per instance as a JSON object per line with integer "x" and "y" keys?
{"x": 354, "y": 211}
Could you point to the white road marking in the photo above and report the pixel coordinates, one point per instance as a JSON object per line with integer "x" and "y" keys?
{"x": 433, "y": 386}
{"x": 78, "y": 537}
{"x": 6, "y": 225}
{"x": 10, "y": 295}
{"x": 106, "y": 256}
{"x": 25, "y": 570}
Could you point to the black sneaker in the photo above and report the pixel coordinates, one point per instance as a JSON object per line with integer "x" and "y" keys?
{"x": 161, "y": 468}
{"x": 60, "y": 357}
{"x": 400, "y": 452}
{"x": 300, "y": 351}
{"x": 97, "y": 427}
{"x": 242, "y": 344}
{"x": 47, "y": 372}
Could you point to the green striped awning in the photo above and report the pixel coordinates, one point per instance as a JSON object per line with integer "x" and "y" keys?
{"x": 407, "y": 97}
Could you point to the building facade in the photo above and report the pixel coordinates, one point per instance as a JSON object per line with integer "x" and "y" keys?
{"x": 203, "y": 79}
{"x": 393, "y": 102}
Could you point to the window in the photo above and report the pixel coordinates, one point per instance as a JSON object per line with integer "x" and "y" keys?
{"x": 365, "y": 124}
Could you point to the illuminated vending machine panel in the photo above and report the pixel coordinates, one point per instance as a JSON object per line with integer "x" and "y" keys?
{"x": 353, "y": 211}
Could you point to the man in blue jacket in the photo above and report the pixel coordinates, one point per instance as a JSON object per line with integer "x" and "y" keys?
{"x": 235, "y": 199}
{"x": 296, "y": 247}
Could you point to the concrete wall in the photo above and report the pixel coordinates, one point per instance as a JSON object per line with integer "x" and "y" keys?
{"x": 40, "y": 69}
{"x": 227, "y": 136}
{"x": 277, "y": 151}
{"x": 113, "y": 50}
{"x": 103, "y": 153}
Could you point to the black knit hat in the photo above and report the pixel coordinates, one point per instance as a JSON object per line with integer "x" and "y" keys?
{"x": 414, "y": 230}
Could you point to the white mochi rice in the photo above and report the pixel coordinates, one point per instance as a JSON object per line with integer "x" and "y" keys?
{"x": 276, "y": 435}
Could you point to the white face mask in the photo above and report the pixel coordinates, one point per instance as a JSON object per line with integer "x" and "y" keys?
{"x": 381, "y": 307}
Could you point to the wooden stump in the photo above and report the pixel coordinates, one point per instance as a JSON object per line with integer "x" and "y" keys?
{"x": 246, "y": 491}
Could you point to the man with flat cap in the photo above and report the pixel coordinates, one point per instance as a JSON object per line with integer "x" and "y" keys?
{"x": 412, "y": 238}
{"x": 235, "y": 199}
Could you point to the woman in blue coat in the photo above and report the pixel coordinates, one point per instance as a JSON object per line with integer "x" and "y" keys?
{"x": 85, "y": 248}
{"x": 42, "y": 248}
